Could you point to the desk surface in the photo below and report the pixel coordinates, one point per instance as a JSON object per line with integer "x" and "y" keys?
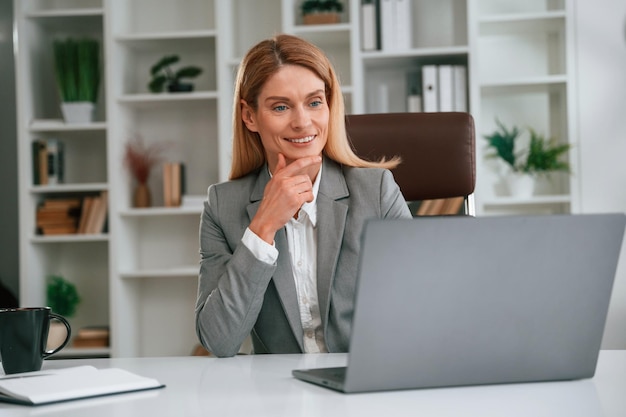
{"x": 263, "y": 386}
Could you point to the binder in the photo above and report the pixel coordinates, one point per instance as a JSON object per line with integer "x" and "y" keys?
{"x": 368, "y": 26}
{"x": 387, "y": 30}
{"x": 430, "y": 88}
{"x": 402, "y": 24}
{"x": 446, "y": 88}
{"x": 460, "y": 88}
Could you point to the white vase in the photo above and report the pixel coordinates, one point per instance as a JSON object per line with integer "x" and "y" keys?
{"x": 520, "y": 185}
{"x": 78, "y": 112}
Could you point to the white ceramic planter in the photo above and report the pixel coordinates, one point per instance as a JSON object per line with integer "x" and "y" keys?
{"x": 520, "y": 185}
{"x": 78, "y": 112}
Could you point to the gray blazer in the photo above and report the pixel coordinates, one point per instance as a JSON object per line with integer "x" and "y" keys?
{"x": 239, "y": 295}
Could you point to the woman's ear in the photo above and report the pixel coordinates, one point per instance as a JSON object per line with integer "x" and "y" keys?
{"x": 247, "y": 116}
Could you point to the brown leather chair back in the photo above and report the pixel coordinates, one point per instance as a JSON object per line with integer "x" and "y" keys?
{"x": 437, "y": 150}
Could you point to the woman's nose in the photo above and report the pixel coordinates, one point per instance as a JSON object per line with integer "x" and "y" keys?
{"x": 300, "y": 118}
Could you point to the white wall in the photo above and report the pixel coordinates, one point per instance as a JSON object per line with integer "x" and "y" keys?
{"x": 601, "y": 56}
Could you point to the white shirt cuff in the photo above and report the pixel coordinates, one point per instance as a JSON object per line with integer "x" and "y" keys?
{"x": 262, "y": 250}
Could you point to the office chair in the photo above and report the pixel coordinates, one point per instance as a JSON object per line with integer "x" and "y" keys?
{"x": 437, "y": 150}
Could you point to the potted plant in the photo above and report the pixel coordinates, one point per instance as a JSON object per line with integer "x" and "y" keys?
{"x": 163, "y": 75}
{"x": 77, "y": 70}
{"x": 540, "y": 158}
{"x": 316, "y": 12}
{"x": 139, "y": 159}
{"x": 62, "y": 297}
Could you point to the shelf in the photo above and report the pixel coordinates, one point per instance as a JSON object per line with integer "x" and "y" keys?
{"x": 166, "y": 98}
{"x": 58, "y": 125}
{"x": 383, "y": 58}
{"x": 326, "y": 28}
{"x": 163, "y": 36}
{"x": 182, "y": 272}
{"x": 59, "y": 13}
{"x": 522, "y": 85}
{"x": 69, "y": 188}
{"x": 99, "y": 237}
{"x": 76, "y": 20}
{"x": 78, "y": 353}
{"x": 536, "y": 200}
{"x": 162, "y": 211}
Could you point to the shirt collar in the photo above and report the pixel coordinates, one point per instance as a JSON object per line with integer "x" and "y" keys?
{"x": 311, "y": 208}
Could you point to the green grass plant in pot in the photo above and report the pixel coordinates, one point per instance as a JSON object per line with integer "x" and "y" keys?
{"x": 540, "y": 158}
{"x": 164, "y": 76}
{"x": 62, "y": 297}
{"x": 78, "y": 72}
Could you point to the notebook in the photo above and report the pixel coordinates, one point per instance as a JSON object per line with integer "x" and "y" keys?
{"x": 456, "y": 301}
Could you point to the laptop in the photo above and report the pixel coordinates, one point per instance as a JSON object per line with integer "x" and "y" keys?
{"x": 455, "y": 301}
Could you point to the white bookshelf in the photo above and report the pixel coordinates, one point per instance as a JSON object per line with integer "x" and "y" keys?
{"x": 523, "y": 68}
{"x": 140, "y": 278}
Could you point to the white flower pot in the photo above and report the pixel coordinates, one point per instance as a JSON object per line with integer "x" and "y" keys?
{"x": 520, "y": 185}
{"x": 78, "y": 112}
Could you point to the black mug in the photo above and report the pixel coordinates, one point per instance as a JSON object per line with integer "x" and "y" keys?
{"x": 23, "y": 337}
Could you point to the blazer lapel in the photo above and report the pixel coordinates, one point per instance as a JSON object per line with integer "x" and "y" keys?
{"x": 331, "y": 223}
{"x": 283, "y": 276}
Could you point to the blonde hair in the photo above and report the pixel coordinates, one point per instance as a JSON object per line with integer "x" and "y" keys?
{"x": 259, "y": 64}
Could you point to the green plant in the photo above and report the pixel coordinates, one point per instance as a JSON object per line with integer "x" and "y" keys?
{"x": 316, "y": 6}
{"x": 502, "y": 142}
{"x": 164, "y": 75}
{"x": 540, "y": 157}
{"x": 77, "y": 69}
{"x": 544, "y": 155}
{"x": 62, "y": 296}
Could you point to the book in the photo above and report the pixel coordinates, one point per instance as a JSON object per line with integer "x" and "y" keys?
{"x": 55, "y": 154}
{"x": 40, "y": 161}
{"x": 387, "y": 29}
{"x": 84, "y": 214}
{"x": 38, "y": 146}
{"x": 58, "y": 216}
{"x": 445, "y": 78}
{"x": 460, "y": 88}
{"x": 173, "y": 183}
{"x": 53, "y": 386}
{"x": 402, "y": 24}
{"x": 369, "y": 41}
{"x": 94, "y": 336}
{"x": 97, "y": 214}
{"x": 430, "y": 88}
{"x": 395, "y": 25}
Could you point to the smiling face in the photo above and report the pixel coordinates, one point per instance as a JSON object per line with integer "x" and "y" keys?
{"x": 292, "y": 115}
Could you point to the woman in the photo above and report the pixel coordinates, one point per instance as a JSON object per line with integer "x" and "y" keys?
{"x": 279, "y": 242}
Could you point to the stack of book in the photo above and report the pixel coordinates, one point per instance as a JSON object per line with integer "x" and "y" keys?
{"x": 440, "y": 207}
{"x": 93, "y": 214}
{"x": 91, "y": 337}
{"x": 57, "y": 216}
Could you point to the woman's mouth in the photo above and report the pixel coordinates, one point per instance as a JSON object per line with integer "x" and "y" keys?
{"x": 305, "y": 139}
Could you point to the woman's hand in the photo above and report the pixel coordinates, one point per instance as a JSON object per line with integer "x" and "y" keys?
{"x": 288, "y": 189}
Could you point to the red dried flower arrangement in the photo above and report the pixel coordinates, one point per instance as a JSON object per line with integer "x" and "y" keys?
{"x": 139, "y": 158}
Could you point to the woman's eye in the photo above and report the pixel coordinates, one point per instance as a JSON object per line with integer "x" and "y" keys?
{"x": 316, "y": 103}
{"x": 280, "y": 108}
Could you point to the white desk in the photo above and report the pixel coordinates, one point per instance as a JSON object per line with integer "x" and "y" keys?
{"x": 263, "y": 386}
